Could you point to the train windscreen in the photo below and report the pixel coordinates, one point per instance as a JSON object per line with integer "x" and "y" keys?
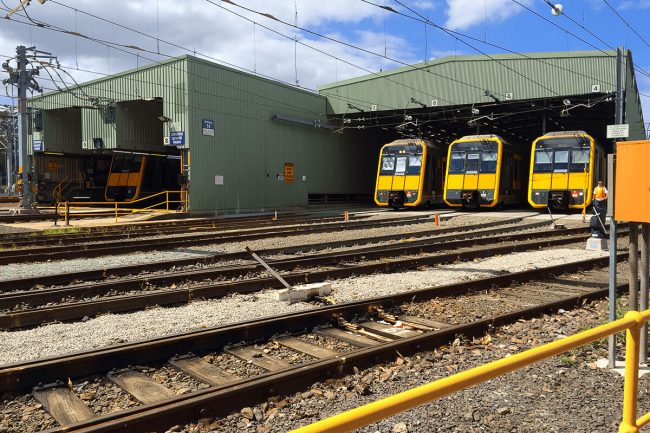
{"x": 562, "y": 155}
{"x": 401, "y": 160}
{"x": 474, "y": 157}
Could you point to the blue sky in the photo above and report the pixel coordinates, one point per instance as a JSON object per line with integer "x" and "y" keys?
{"x": 213, "y": 31}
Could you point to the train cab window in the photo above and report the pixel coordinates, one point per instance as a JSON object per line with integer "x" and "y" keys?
{"x": 457, "y": 163}
{"x": 543, "y": 161}
{"x": 488, "y": 162}
{"x": 561, "y": 161}
{"x": 400, "y": 165}
{"x": 579, "y": 160}
{"x": 414, "y": 164}
{"x": 472, "y": 163}
{"x": 387, "y": 164}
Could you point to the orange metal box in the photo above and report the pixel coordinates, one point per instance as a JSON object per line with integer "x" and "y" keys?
{"x": 632, "y": 195}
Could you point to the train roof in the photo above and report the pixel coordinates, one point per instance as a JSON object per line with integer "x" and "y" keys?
{"x": 564, "y": 133}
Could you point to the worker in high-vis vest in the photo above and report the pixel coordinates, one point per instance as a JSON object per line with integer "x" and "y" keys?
{"x": 600, "y": 198}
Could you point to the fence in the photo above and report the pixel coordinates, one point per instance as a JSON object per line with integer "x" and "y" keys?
{"x": 164, "y": 205}
{"x": 376, "y": 411}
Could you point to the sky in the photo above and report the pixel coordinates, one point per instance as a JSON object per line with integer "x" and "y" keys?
{"x": 339, "y": 38}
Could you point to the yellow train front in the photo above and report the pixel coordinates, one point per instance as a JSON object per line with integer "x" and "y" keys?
{"x": 564, "y": 168}
{"x": 483, "y": 171}
{"x": 409, "y": 174}
{"x": 134, "y": 175}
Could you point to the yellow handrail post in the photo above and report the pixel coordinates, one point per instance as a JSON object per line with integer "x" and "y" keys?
{"x": 67, "y": 213}
{"x": 115, "y": 212}
{"x": 630, "y": 392}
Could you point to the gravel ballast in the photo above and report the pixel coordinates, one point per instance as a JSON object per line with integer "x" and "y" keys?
{"x": 25, "y": 270}
{"x": 57, "y": 339}
{"x": 567, "y": 393}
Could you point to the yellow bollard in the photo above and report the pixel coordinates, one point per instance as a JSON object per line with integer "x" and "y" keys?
{"x": 630, "y": 392}
{"x": 346, "y": 216}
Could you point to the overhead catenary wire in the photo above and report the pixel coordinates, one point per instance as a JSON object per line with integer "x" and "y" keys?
{"x": 131, "y": 53}
{"x": 457, "y": 35}
{"x": 568, "y": 32}
{"x": 124, "y": 48}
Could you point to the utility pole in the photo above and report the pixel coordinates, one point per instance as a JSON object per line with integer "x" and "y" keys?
{"x": 23, "y": 78}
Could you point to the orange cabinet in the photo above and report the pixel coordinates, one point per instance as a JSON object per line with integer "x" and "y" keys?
{"x": 632, "y": 195}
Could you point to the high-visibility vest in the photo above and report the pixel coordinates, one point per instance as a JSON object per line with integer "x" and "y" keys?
{"x": 599, "y": 193}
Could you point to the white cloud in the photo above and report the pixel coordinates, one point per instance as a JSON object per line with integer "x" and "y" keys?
{"x": 631, "y": 4}
{"x": 211, "y": 31}
{"x": 463, "y": 14}
{"x": 424, "y": 4}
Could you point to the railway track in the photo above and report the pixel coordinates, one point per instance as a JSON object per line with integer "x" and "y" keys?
{"x": 108, "y": 233}
{"x": 111, "y": 272}
{"x": 288, "y": 352}
{"x": 79, "y": 301}
{"x": 125, "y": 246}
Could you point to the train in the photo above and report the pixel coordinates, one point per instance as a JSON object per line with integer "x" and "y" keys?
{"x": 565, "y": 167}
{"x": 483, "y": 171}
{"x": 410, "y": 174}
{"x": 134, "y": 175}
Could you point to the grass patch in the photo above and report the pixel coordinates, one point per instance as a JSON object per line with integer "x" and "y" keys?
{"x": 64, "y": 231}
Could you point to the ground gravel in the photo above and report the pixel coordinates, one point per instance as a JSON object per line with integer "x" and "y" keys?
{"x": 25, "y": 270}
{"x": 57, "y": 339}
{"x": 568, "y": 393}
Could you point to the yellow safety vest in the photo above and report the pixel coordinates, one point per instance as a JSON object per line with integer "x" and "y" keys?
{"x": 599, "y": 193}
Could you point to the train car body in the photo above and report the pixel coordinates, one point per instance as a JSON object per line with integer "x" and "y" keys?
{"x": 483, "y": 171}
{"x": 134, "y": 175}
{"x": 409, "y": 174}
{"x": 564, "y": 168}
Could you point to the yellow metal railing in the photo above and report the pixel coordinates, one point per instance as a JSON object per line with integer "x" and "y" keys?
{"x": 378, "y": 410}
{"x": 67, "y": 209}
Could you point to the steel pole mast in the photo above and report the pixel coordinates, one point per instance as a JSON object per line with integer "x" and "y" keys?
{"x": 23, "y": 158}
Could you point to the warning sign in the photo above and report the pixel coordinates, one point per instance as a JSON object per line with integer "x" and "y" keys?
{"x": 288, "y": 172}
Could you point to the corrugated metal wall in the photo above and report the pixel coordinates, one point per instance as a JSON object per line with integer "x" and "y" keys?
{"x": 462, "y": 80}
{"x": 633, "y": 112}
{"x": 249, "y": 149}
{"x": 166, "y": 80}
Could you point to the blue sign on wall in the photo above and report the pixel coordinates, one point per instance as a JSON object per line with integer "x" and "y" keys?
{"x": 37, "y": 145}
{"x": 177, "y": 138}
{"x": 208, "y": 127}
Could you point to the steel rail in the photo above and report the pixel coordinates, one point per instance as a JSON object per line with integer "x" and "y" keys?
{"x": 219, "y": 401}
{"x": 115, "y": 304}
{"x": 77, "y": 310}
{"x": 126, "y": 246}
{"x": 212, "y": 225}
{"x": 109, "y": 272}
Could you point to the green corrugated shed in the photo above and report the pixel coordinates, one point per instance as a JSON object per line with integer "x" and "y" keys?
{"x": 463, "y": 80}
{"x": 241, "y": 166}
{"x": 249, "y": 148}
{"x": 167, "y": 79}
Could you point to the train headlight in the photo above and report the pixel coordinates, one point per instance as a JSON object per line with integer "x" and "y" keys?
{"x": 411, "y": 196}
{"x": 382, "y": 196}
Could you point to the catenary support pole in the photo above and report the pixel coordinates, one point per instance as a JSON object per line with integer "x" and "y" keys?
{"x": 611, "y": 177}
{"x": 23, "y": 158}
